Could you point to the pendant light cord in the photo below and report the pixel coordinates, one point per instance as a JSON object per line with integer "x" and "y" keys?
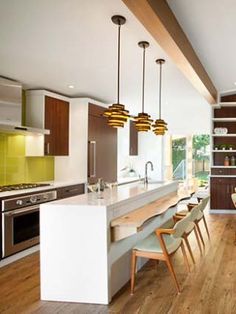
{"x": 144, "y": 53}
{"x": 160, "y": 85}
{"x": 118, "y": 74}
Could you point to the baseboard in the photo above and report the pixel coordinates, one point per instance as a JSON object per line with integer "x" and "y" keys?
{"x": 222, "y": 211}
{"x": 15, "y": 257}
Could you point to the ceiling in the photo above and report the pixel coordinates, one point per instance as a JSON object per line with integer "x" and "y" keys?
{"x": 210, "y": 26}
{"x": 55, "y": 43}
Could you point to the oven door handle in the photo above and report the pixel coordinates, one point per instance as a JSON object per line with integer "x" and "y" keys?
{"x": 15, "y": 212}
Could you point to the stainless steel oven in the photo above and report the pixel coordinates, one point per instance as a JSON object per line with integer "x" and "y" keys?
{"x": 20, "y": 221}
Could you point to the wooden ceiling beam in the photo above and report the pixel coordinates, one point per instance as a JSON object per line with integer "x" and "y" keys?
{"x": 161, "y": 23}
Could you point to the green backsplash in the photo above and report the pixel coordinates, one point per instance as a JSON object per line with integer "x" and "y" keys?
{"x": 15, "y": 167}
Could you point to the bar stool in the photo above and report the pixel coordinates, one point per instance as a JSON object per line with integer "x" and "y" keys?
{"x": 161, "y": 245}
{"x": 193, "y": 214}
{"x": 200, "y": 216}
{"x": 233, "y": 197}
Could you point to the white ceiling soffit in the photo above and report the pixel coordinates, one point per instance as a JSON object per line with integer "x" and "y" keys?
{"x": 55, "y": 43}
{"x": 210, "y": 26}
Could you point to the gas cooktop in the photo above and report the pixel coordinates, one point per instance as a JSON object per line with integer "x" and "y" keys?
{"x": 21, "y": 186}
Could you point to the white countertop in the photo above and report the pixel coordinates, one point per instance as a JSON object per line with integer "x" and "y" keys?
{"x": 112, "y": 196}
{"x": 75, "y": 232}
{"x": 53, "y": 185}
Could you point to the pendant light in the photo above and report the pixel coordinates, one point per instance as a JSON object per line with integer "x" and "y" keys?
{"x": 116, "y": 114}
{"x": 160, "y": 126}
{"x": 143, "y": 121}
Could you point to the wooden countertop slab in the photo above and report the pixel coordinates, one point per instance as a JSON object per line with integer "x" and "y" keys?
{"x": 133, "y": 222}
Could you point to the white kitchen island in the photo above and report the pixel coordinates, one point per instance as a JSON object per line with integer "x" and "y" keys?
{"x": 78, "y": 260}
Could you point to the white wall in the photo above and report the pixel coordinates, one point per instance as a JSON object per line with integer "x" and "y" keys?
{"x": 149, "y": 148}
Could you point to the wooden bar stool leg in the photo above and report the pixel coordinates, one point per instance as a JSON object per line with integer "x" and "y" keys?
{"x": 185, "y": 257}
{"x": 133, "y": 270}
{"x": 200, "y": 234}
{"x": 172, "y": 272}
{"x": 205, "y": 223}
{"x": 189, "y": 248}
{"x": 198, "y": 240}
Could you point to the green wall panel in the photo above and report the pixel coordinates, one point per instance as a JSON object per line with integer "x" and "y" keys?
{"x": 15, "y": 167}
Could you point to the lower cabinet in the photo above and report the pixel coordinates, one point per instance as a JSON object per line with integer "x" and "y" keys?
{"x": 68, "y": 191}
{"x": 221, "y": 190}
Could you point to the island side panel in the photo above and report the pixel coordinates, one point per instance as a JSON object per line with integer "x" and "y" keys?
{"x": 73, "y": 257}
{"x": 120, "y": 252}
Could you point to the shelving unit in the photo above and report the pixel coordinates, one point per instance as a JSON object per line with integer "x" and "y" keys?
{"x": 223, "y": 178}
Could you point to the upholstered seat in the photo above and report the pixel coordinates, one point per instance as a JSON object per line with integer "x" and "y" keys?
{"x": 152, "y": 244}
{"x": 161, "y": 245}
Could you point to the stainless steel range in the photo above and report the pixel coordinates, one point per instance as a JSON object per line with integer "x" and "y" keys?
{"x": 20, "y": 220}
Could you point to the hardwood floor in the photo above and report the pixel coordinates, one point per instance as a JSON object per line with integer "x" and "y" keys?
{"x": 209, "y": 288}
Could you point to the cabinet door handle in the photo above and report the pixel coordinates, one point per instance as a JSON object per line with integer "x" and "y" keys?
{"x": 47, "y": 148}
{"x": 93, "y": 175}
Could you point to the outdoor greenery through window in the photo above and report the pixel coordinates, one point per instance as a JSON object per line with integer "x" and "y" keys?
{"x": 201, "y": 158}
{"x": 179, "y": 158}
{"x": 198, "y": 161}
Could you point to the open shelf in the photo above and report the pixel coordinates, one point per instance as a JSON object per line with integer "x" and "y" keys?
{"x": 227, "y": 104}
{"x": 224, "y": 151}
{"x": 231, "y": 167}
{"x": 224, "y": 119}
{"x": 225, "y": 135}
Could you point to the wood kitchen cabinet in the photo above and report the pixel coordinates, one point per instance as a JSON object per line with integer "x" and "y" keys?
{"x": 221, "y": 190}
{"x": 102, "y": 147}
{"x": 69, "y": 191}
{"x": 133, "y": 139}
{"x": 46, "y": 110}
{"x": 57, "y": 121}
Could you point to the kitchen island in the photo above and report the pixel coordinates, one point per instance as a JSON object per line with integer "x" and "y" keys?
{"x": 80, "y": 261}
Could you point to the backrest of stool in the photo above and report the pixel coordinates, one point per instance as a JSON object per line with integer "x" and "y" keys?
{"x": 204, "y": 202}
{"x": 233, "y": 197}
{"x": 181, "y": 226}
{"x": 195, "y": 211}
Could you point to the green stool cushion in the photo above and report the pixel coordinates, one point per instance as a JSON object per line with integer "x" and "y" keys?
{"x": 152, "y": 244}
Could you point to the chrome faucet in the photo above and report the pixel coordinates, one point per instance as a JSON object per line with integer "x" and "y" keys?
{"x": 146, "y": 166}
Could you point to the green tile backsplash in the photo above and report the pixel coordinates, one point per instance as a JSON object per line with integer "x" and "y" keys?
{"x": 15, "y": 167}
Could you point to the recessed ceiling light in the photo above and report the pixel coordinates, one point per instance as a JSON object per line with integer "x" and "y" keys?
{"x": 71, "y": 86}
{"x": 234, "y": 83}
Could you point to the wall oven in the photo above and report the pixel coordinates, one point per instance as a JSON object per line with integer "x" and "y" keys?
{"x": 20, "y": 221}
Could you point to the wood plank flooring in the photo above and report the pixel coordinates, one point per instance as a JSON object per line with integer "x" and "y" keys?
{"x": 209, "y": 288}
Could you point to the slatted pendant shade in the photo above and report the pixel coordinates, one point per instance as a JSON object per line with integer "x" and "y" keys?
{"x": 160, "y": 126}
{"x": 116, "y": 114}
{"x": 142, "y": 121}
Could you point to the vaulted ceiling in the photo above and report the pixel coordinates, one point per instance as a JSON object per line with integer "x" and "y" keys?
{"x": 55, "y": 43}
{"x": 210, "y": 26}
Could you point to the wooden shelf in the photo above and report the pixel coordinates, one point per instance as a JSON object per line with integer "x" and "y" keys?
{"x": 232, "y": 167}
{"x": 224, "y": 151}
{"x": 134, "y": 221}
{"x": 224, "y": 119}
{"x": 227, "y": 104}
{"x": 225, "y": 135}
